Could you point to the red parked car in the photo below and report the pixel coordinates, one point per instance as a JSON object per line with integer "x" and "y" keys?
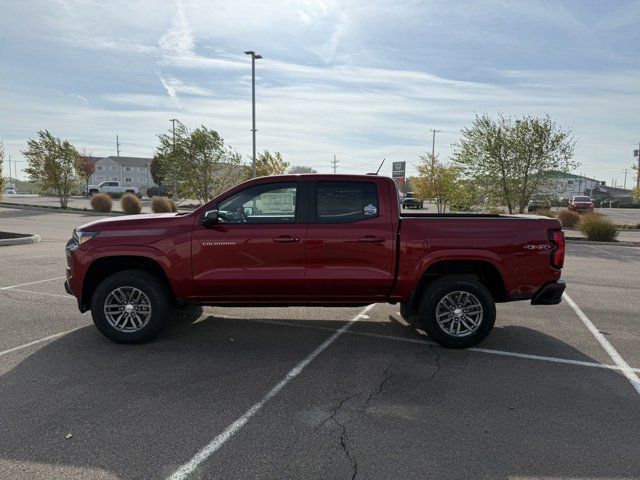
{"x": 329, "y": 240}
{"x": 581, "y": 204}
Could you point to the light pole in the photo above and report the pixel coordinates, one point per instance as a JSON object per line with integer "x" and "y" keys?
{"x": 254, "y": 57}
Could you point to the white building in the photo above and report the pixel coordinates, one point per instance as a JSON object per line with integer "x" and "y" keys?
{"x": 566, "y": 185}
{"x": 129, "y": 171}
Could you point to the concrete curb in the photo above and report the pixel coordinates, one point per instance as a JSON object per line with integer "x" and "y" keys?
{"x": 5, "y": 242}
{"x": 582, "y": 241}
{"x": 40, "y": 208}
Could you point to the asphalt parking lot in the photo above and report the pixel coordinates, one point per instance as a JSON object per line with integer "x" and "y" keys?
{"x": 314, "y": 392}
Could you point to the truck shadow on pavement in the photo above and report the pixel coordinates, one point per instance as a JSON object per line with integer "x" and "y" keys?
{"x": 405, "y": 410}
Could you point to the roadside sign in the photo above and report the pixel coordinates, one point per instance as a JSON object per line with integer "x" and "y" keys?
{"x": 636, "y": 152}
{"x": 398, "y": 169}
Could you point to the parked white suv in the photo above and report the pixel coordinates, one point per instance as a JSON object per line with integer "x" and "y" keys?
{"x": 113, "y": 189}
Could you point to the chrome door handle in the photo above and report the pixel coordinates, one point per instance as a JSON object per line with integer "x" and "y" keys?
{"x": 371, "y": 239}
{"x": 285, "y": 239}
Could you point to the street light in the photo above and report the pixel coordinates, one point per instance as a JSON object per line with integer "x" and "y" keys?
{"x": 254, "y": 57}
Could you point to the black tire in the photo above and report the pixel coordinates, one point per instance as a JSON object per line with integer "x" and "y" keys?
{"x": 444, "y": 286}
{"x": 158, "y": 294}
{"x": 92, "y": 192}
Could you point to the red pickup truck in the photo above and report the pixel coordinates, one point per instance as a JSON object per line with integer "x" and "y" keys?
{"x": 581, "y": 204}
{"x": 330, "y": 240}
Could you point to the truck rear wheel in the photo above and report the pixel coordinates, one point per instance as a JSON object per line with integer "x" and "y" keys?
{"x": 131, "y": 306}
{"x": 457, "y": 311}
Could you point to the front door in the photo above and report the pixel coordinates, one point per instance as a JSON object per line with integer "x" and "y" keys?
{"x": 350, "y": 242}
{"x": 257, "y": 250}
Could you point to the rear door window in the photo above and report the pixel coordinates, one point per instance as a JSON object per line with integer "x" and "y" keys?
{"x": 342, "y": 202}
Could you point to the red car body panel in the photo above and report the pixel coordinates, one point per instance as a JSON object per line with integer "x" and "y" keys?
{"x": 378, "y": 259}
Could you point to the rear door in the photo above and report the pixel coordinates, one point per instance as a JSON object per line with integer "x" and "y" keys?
{"x": 350, "y": 241}
{"x": 257, "y": 250}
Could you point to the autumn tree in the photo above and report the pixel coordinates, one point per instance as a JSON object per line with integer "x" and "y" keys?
{"x": 51, "y": 164}
{"x": 436, "y": 182}
{"x": 85, "y": 166}
{"x": 510, "y": 159}
{"x": 300, "y": 169}
{"x": 199, "y": 164}
{"x": 270, "y": 164}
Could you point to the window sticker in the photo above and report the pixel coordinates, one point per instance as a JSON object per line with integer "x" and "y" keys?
{"x": 370, "y": 209}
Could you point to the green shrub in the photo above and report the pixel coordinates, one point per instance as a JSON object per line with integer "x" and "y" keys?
{"x": 174, "y": 207}
{"x": 130, "y": 204}
{"x": 160, "y": 205}
{"x": 568, "y": 218}
{"x": 545, "y": 212}
{"x": 598, "y": 228}
{"x": 101, "y": 202}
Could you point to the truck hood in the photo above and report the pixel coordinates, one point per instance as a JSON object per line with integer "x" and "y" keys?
{"x": 150, "y": 220}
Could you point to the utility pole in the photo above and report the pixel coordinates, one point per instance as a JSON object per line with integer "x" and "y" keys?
{"x": 117, "y": 146}
{"x": 335, "y": 163}
{"x": 173, "y": 130}
{"x": 433, "y": 142}
{"x": 638, "y": 170}
{"x": 10, "y": 169}
{"x": 254, "y": 57}
{"x": 625, "y": 178}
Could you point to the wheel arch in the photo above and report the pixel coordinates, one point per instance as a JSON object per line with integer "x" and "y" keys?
{"x": 486, "y": 272}
{"x": 104, "y": 267}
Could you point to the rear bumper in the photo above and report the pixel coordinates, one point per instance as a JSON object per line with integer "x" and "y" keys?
{"x": 549, "y": 294}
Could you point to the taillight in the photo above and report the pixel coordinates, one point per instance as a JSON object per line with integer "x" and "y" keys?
{"x": 557, "y": 254}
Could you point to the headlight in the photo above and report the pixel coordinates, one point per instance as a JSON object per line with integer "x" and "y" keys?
{"x": 84, "y": 237}
{"x": 79, "y": 237}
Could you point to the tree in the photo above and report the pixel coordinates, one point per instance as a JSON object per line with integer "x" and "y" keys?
{"x": 436, "y": 182}
{"x": 509, "y": 159}
{"x": 297, "y": 169}
{"x": 51, "y": 164}
{"x": 200, "y": 166}
{"x": 156, "y": 170}
{"x": 85, "y": 166}
{"x": 635, "y": 193}
{"x": 270, "y": 164}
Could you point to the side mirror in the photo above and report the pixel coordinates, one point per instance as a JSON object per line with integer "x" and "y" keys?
{"x": 209, "y": 218}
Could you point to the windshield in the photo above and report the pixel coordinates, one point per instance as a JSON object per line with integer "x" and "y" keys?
{"x": 581, "y": 199}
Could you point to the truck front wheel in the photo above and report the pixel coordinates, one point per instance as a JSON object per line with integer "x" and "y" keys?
{"x": 131, "y": 306}
{"x": 457, "y": 311}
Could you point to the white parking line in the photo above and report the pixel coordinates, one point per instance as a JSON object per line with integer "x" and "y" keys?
{"x": 601, "y": 250}
{"x": 41, "y": 340}
{"x": 626, "y": 370}
{"x": 185, "y": 470}
{"x": 31, "y": 283}
{"x": 66, "y": 297}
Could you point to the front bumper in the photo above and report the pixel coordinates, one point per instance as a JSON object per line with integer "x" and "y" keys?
{"x": 549, "y": 294}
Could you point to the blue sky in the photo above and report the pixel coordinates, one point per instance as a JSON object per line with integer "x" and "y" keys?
{"x": 360, "y": 79}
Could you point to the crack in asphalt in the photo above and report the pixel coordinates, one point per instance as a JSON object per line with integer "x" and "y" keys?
{"x": 343, "y": 433}
{"x": 434, "y": 350}
{"x": 385, "y": 379}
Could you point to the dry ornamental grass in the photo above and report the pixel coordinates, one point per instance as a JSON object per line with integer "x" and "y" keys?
{"x": 568, "y": 218}
{"x": 598, "y": 228}
{"x": 160, "y": 205}
{"x": 101, "y": 202}
{"x": 130, "y": 204}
